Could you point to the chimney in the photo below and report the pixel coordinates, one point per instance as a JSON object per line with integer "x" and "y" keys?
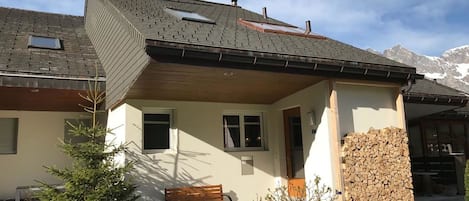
{"x": 264, "y": 12}
{"x": 234, "y": 2}
{"x": 308, "y": 27}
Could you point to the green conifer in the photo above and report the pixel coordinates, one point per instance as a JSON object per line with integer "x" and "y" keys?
{"x": 93, "y": 175}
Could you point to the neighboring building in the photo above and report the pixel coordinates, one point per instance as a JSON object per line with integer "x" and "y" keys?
{"x": 207, "y": 93}
{"x": 45, "y": 61}
{"x": 438, "y": 130}
{"x": 203, "y": 93}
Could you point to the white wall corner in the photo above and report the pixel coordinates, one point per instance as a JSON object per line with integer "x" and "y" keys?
{"x": 116, "y": 136}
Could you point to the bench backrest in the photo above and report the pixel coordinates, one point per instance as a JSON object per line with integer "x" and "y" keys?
{"x": 195, "y": 193}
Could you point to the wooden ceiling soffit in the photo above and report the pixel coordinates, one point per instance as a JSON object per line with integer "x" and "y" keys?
{"x": 40, "y": 99}
{"x": 172, "y": 81}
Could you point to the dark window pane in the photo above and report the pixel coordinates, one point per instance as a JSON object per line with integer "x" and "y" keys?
{"x": 156, "y": 117}
{"x": 295, "y": 123}
{"x": 458, "y": 138}
{"x": 252, "y": 119}
{"x": 231, "y": 120}
{"x": 253, "y": 135}
{"x": 156, "y": 136}
{"x": 8, "y": 135}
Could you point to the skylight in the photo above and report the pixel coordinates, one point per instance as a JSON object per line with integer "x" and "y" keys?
{"x": 44, "y": 42}
{"x": 278, "y": 28}
{"x": 188, "y": 15}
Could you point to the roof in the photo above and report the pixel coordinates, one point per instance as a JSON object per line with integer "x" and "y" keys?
{"x": 21, "y": 66}
{"x": 431, "y": 92}
{"x": 150, "y": 19}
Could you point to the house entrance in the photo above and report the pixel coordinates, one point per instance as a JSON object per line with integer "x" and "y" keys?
{"x": 294, "y": 151}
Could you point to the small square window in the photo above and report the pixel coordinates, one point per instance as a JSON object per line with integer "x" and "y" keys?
{"x": 8, "y": 135}
{"x": 157, "y": 130}
{"x": 188, "y": 15}
{"x": 44, "y": 42}
{"x": 243, "y": 131}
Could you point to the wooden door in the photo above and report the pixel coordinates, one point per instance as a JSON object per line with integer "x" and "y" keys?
{"x": 294, "y": 152}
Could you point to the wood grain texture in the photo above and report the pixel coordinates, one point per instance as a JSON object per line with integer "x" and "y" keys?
{"x": 195, "y": 193}
{"x": 166, "y": 81}
{"x": 31, "y": 99}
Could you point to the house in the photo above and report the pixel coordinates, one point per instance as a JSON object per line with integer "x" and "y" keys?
{"x": 438, "y": 132}
{"x": 208, "y": 93}
{"x": 203, "y": 93}
{"x": 45, "y": 61}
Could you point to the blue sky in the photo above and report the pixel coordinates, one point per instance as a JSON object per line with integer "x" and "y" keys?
{"x": 424, "y": 26}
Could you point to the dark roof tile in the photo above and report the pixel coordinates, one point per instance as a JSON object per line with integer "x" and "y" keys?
{"x": 428, "y": 87}
{"x": 150, "y": 19}
{"x": 77, "y": 59}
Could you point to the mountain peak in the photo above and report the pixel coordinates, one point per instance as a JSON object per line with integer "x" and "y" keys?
{"x": 400, "y": 47}
{"x": 451, "y": 69}
{"x": 457, "y": 55}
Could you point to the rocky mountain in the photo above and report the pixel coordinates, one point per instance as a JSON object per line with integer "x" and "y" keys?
{"x": 451, "y": 68}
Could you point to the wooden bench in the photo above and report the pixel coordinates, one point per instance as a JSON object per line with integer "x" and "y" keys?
{"x": 195, "y": 193}
{"x": 29, "y": 191}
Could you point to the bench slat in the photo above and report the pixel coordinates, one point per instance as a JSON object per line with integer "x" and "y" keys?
{"x": 196, "y": 193}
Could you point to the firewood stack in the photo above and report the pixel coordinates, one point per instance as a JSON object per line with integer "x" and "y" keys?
{"x": 377, "y": 166}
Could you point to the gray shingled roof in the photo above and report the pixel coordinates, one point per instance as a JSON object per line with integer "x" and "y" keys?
{"x": 154, "y": 23}
{"x": 430, "y": 87}
{"x": 77, "y": 60}
{"x": 431, "y": 92}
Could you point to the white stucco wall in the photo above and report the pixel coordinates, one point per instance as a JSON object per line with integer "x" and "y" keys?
{"x": 39, "y": 134}
{"x": 316, "y": 146}
{"x": 362, "y": 107}
{"x": 199, "y": 158}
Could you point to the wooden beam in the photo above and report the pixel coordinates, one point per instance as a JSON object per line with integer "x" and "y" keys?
{"x": 400, "y": 110}
{"x": 367, "y": 83}
{"x": 335, "y": 139}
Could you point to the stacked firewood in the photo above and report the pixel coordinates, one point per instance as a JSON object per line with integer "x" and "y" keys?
{"x": 376, "y": 165}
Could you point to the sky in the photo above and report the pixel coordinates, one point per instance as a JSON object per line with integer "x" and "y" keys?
{"x": 424, "y": 26}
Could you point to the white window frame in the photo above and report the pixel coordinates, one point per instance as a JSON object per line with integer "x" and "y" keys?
{"x": 172, "y": 130}
{"x": 242, "y": 136}
{"x": 16, "y": 134}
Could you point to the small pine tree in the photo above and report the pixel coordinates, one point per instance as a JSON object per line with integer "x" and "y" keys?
{"x": 93, "y": 175}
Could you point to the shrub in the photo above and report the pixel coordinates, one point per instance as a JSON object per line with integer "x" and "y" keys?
{"x": 311, "y": 192}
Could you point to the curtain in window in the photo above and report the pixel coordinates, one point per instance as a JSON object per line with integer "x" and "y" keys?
{"x": 228, "y": 140}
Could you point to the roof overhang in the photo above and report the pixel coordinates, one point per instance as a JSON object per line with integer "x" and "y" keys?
{"x": 43, "y": 92}
{"x": 421, "y": 105}
{"x": 263, "y": 61}
{"x": 435, "y": 99}
{"x": 188, "y": 82}
{"x": 41, "y": 99}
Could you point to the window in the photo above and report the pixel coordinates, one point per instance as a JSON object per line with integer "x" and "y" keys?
{"x": 188, "y": 15}
{"x": 69, "y": 137}
{"x": 157, "y": 130}
{"x": 8, "y": 135}
{"x": 278, "y": 28}
{"x": 243, "y": 131}
{"x": 44, "y": 42}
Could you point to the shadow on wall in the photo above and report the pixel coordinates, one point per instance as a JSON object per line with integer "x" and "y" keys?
{"x": 152, "y": 174}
